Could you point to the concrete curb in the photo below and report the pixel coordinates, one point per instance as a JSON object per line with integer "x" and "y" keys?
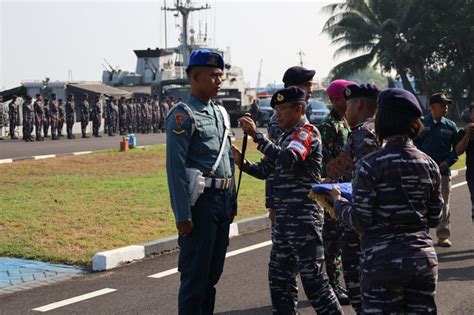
{"x": 50, "y": 156}
{"x": 114, "y": 258}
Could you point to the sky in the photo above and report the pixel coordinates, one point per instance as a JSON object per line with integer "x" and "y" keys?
{"x": 57, "y": 39}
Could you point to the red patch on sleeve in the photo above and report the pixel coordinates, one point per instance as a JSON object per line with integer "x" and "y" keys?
{"x": 180, "y": 119}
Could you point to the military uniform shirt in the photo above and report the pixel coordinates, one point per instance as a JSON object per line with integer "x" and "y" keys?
{"x": 362, "y": 140}
{"x": 438, "y": 140}
{"x": 292, "y": 177}
{"x": 193, "y": 140}
{"x": 396, "y": 198}
{"x": 334, "y": 133}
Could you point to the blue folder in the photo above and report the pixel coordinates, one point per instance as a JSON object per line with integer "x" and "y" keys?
{"x": 325, "y": 189}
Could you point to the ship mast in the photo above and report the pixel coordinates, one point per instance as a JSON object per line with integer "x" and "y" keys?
{"x": 185, "y": 9}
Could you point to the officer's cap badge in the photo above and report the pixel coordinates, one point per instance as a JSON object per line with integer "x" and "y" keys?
{"x": 347, "y": 91}
{"x": 212, "y": 61}
{"x": 280, "y": 97}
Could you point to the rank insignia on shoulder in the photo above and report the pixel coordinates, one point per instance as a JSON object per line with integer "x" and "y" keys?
{"x": 180, "y": 119}
{"x": 179, "y": 132}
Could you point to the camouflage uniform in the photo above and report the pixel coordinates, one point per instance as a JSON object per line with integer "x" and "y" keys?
{"x": 273, "y": 130}
{"x": 130, "y": 116}
{"x": 13, "y": 117}
{"x": 28, "y": 121}
{"x": 123, "y": 117}
{"x": 47, "y": 118}
{"x": 96, "y": 116}
{"x": 334, "y": 132}
{"x": 54, "y": 116}
{"x": 297, "y": 232}
{"x": 362, "y": 141}
{"x": 61, "y": 118}
{"x": 396, "y": 199}
{"x": 70, "y": 118}
{"x": 39, "y": 120}
{"x": 85, "y": 112}
{"x": 156, "y": 115}
{"x": 113, "y": 118}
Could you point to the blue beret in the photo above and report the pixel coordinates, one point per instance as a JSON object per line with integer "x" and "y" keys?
{"x": 291, "y": 94}
{"x": 297, "y": 75}
{"x": 400, "y": 101}
{"x": 205, "y": 58}
{"x": 366, "y": 90}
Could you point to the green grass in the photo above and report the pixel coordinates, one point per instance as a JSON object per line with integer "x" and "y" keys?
{"x": 461, "y": 162}
{"x": 67, "y": 209}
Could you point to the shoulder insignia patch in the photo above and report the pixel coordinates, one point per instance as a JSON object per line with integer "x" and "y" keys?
{"x": 180, "y": 119}
{"x": 179, "y": 132}
{"x": 303, "y": 134}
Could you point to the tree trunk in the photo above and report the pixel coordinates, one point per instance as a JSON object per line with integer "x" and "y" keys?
{"x": 406, "y": 83}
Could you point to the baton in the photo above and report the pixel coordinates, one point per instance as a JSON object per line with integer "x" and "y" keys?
{"x": 242, "y": 159}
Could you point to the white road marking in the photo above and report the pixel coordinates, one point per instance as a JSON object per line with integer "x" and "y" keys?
{"x": 458, "y": 185}
{"x": 42, "y": 157}
{"x": 82, "y": 152}
{"x": 164, "y": 273}
{"x": 76, "y": 299}
{"x": 229, "y": 254}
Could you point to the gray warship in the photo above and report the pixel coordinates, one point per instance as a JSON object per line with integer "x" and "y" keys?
{"x": 161, "y": 71}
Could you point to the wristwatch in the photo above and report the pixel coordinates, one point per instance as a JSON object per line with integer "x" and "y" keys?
{"x": 258, "y": 136}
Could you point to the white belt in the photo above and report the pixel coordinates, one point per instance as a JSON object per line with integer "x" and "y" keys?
{"x": 218, "y": 183}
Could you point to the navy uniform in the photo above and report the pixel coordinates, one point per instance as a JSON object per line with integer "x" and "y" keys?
{"x": 438, "y": 139}
{"x": 13, "y": 117}
{"x": 61, "y": 117}
{"x": 294, "y": 162}
{"x": 85, "y": 113}
{"x": 361, "y": 141}
{"x": 54, "y": 116}
{"x": 47, "y": 118}
{"x": 96, "y": 116}
{"x": 70, "y": 116}
{"x": 194, "y": 134}
{"x": 28, "y": 119}
{"x": 39, "y": 117}
{"x": 396, "y": 199}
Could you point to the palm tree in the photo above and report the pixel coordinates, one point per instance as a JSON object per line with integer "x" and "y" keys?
{"x": 374, "y": 30}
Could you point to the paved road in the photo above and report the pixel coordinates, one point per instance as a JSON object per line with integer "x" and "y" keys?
{"x": 10, "y": 149}
{"x": 243, "y": 287}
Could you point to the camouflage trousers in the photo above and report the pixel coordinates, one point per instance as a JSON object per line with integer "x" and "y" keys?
{"x": 351, "y": 267}
{"x": 297, "y": 246}
{"x": 400, "y": 286}
{"x": 332, "y": 239}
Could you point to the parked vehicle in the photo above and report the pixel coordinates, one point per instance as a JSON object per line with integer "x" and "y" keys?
{"x": 316, "y": 111}
{"x": 265, "y": 112}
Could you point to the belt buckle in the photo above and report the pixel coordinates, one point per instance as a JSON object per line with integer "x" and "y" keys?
{"x": 223, "y": 183}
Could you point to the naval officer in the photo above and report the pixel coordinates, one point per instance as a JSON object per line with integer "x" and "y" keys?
{"x": 195, "y": 134}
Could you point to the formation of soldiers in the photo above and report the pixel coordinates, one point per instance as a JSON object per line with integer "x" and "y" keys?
{"x": 46, "y": 117}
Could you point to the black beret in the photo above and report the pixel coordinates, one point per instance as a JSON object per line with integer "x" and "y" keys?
{"x": 291, "y": 94}
{"x": 400, "y": 101}
{"x": 37, "y": 95}
{"x": 297, "y": 75}
{"x": 366, "y": 90}
{"x": 70, "y": 95}
{"x": 29, "y": 98}
{"x": 85, "y": 95}
{"x": 440, "y": 98}
{"x": 53, "y": 94}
